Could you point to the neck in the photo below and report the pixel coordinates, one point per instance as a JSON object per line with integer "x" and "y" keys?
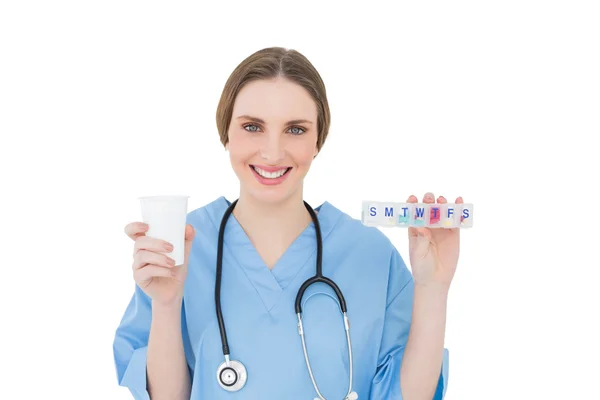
{"x": 272, "y": 227}
{"x": 284, "y": 219}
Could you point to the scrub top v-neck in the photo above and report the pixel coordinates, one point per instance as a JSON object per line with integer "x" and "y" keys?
{"x": 269, "y": 283}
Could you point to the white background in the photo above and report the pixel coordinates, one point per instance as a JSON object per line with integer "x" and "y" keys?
{"x": 498, "y": 102}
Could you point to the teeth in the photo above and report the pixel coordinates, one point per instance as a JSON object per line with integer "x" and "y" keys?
{"x": 270, "y": 175}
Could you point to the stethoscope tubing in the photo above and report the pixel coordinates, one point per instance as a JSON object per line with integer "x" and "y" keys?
{"x": 317, "y": 278}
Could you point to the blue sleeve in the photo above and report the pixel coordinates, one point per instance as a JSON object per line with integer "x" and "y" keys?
{"x": 131, "y": 344}
{"x": 398, "y": 316}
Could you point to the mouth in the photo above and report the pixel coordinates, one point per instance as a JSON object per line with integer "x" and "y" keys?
{"x": 270, "y": 175}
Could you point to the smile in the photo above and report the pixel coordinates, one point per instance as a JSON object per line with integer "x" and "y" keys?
{"x": 273, "y": 174}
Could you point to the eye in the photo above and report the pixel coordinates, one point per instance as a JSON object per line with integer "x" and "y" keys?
{"x": 297, "y": 130}
{"x": 251, "y": 125}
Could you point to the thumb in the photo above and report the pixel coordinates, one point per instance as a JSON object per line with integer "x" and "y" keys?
{"x": 418, "y": 233}
{"x": 419, "y": 241}
{"x": 190, "y": 233}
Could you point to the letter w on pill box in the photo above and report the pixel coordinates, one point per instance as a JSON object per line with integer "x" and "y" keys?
{"x": 403, "y": 215}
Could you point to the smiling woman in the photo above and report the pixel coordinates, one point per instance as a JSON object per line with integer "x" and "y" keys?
{"x": 287, "y": 278}
{"x": 261, "y": 152}
{"x": 272, "y": 142}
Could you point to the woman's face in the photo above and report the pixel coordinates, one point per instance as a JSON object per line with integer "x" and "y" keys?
{"x": 272, "y": 138}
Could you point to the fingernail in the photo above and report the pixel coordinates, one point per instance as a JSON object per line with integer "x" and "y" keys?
{"x": 170, "y": 261}
{"x": 168, "y": 247}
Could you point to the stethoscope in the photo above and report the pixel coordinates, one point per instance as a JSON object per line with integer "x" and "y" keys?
{"x": 231, "y": 374}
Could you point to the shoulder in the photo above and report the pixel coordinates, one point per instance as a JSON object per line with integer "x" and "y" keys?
{"x": 207, "y": 218}
{"x": 344, "y": 224}
{"x": 353, "y": 235}
{"x": 369, "y": 252}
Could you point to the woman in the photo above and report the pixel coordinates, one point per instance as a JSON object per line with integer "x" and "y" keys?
{"x": 273, "y": 118}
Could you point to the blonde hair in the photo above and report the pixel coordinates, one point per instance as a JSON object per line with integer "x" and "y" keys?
{"x": 271, "y": 63}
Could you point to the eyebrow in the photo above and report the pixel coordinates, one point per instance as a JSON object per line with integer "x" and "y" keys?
{"x": 260, "y": 121}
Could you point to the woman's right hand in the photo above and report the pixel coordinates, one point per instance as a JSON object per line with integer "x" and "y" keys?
{"x": 154, "y": 271}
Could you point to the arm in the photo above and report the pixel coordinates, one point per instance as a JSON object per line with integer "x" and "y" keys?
{"x": 391, "y": 382}
{"x": 167, "y": 370}
{"x": 148, "y": 344}
{"x": 424, "y": 351}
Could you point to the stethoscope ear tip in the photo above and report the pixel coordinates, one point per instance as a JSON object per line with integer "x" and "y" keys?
{"x": 352, "y": 396}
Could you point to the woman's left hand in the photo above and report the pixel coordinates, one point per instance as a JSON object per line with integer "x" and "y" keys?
{"x": 433, "y": 251}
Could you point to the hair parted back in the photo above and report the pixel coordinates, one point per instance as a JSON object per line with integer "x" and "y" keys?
{"x": 269, "y": 63}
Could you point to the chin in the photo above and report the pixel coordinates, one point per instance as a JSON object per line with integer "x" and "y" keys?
{"x": 267, "y": 192}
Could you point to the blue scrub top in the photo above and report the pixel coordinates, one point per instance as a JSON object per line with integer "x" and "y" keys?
{"x": 258, "y": 310}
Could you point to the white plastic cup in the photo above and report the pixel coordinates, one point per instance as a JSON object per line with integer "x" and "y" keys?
{"x": 166, "y": 217}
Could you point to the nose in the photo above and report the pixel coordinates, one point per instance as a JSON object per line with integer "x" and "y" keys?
{"x": 273, "y": 150}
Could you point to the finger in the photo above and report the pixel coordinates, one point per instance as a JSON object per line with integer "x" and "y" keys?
{"x": 428, "y": 198}
{"x": 144, "y": 257}
{"x": 151, "y": 244}
{"x": 151, "y": 271}
{"x": 135, "y": 229}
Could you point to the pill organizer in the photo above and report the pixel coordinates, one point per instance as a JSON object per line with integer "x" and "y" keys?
{"x": 429, "y": 215}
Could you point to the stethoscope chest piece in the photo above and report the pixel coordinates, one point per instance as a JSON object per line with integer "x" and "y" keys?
{"x": 232, "y": 375}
